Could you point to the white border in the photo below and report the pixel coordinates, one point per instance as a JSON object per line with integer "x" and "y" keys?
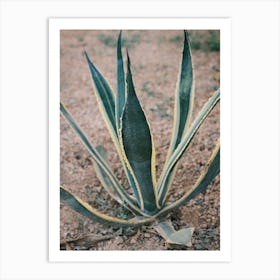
{"x": 222, "y": 24}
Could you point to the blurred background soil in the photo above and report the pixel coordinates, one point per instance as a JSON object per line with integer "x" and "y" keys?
{"x": 155, "y": 58}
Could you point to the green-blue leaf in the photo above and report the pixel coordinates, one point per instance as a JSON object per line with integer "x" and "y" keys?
{"x": 83, "y": 208}
{"x": 167, "y": 173}
{"x": 120, "y": 98}
{"x": 138, "y": 146}
{"x": 211, "y": 171}
{"x": 184, "y": 96}
{"x": 105, "y": 96}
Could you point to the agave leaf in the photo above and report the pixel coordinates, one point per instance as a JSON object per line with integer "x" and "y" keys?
{"x": 167, "y": 173}
{"x": 106, "y": 182}
{"x": 103, "y": 178}
{"x": 173, "y": 238}
{"x": 120, "y": 102}
{"x": 106, "y": 101}
{"x": 120, "y": 98}
{"x": 105, "y": 96}
{"x": 183, "y": 98}
{"x": 101, "y": 163}
{"x": 137, "y": 145}
{"x": 211, "y": 171}
{"x": 88, "y": 211}
{"x": 183, "y": 103}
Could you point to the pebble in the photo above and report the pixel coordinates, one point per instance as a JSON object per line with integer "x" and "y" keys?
{"x": 133, "y": 241}
{"x": 202, "y": 147}
{"x": 118, "y": 240}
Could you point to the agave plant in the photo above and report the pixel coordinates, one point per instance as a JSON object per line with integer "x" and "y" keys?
{"x": 131, "y": 134}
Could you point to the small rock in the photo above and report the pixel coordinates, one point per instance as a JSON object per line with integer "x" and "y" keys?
{"x": 77, "y": 157}
{"x": 133, "y": 240}
{"x": 118, "y": 240}
{"x": 200, "y": 202}
{"x": 202, "y": 147}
